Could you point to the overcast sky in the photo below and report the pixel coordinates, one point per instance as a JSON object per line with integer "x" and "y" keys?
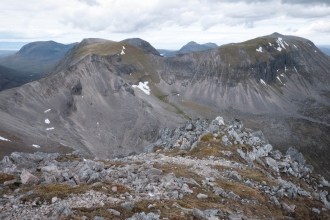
{"x": 167, "y": 24}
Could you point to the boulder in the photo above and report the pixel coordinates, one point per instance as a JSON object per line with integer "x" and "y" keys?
{"x": 61, "y": 212}
{"x": 272, "y": 164}
{"x": 235, "y": 176}
{"x": 29, "y": 179}
{"x": 143, "y": 216}
{"x": 128, "y": 205}
{"x": 198, "y": 214}
{"x": 202, "y": 196}
{"x": 296, "y": 156}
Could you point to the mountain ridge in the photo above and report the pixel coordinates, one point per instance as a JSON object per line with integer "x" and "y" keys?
{"x": 95, "y": 95}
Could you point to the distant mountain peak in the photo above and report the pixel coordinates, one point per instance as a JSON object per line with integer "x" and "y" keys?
{"x": 142, "y": 44}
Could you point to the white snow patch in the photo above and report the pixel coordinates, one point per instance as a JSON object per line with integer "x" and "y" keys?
{"x": 286, "y": 43}
{"x": 295, "y": 69}
{"x": 279, "y": 79}
{"x": 122, "y": 52}
{"x": 263, "y": 82}
{"x": 124, "y": 48}
{"x": 98, "y": 124}
{"x": 4, "y": 139}
{"x": 144, "y": 87}
{"x": 295, "y": 46}
{"x": 82, "y": 96}
{"x": 48, "y": 129}
{"x": 48, "y": 110}
{"x": 279, "y": 49}
{"x": 285, "y": 68}
{"x": 270, "y": 44}
{"x": 47, "y": 121}
{"x": 36, "y": 146}
{"x": 280, "y": 43}
{"x": 315, "y": 51}
{"x": 178, "y": 94}
{"x": 259, "y": 49}
{"x": 282, "y": 75}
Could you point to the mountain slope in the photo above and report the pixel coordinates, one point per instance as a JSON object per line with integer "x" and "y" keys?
{"x": 144, "y": 45}
{"x": 111, "y": 98}
{"x": 93, "y": 105}
{"x": 10, "y": 78}
{"x": 276, "y": 80}
{"x": 37, "y": 57}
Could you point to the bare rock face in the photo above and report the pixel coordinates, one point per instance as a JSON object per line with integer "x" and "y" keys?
{"x": 29, "y": 179}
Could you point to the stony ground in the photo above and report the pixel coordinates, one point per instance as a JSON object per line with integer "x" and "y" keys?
{"x": 197, "y": 171}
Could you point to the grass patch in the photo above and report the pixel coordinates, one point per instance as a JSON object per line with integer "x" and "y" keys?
{"x": 48, "y": 191}
{"x": 6, "y": 177}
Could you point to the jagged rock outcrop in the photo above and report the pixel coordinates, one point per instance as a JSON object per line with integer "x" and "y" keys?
{"x": 202, "y": 181}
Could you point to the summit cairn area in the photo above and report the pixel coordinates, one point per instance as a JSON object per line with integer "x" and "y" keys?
{"x": 201, "y": 170}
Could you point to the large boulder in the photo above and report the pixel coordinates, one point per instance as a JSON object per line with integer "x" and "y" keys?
{"x": 29, "y": 179}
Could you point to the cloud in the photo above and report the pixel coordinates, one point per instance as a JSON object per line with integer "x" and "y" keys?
{"x": 125, "y": 16}
{"x": 304, "y": 2}
{"x": 90, "y": 2}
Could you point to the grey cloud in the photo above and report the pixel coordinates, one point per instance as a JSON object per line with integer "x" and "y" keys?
{"x": 309, "y": 2}
{"x": 125, "y": 17}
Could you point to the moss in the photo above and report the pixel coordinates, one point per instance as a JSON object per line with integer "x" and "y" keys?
{"x": 207, "y": 137}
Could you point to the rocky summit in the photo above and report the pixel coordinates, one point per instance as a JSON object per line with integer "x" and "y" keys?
{"x": 200, "y": 170}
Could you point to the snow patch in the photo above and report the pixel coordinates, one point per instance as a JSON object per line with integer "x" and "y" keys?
{"x": 295, "y": 69}
{"x": 259, "y": 49}
{"x": 270, "y": 44}
{"x": 47, "y": 121}
{"x": 279, "y": 79}
{"x": 295, "y": 46}
{"x": 315, "y": 51}
{"x": 263, "y": 82}
{"x": 48, "y": 110}
{"x": 98, "y": 124}
{"x": 4, "y": 139}
{"x": 36, "y": 146}
{"x": 122, "y": 52}
{"x": 144, "y": 87}
{"x": 282, "y": 75}
{"x": 285, "y": 68}
{"x": 280, "y": 43}
{"x": 124, "y": 48}
{"x": 48, "y": 129}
